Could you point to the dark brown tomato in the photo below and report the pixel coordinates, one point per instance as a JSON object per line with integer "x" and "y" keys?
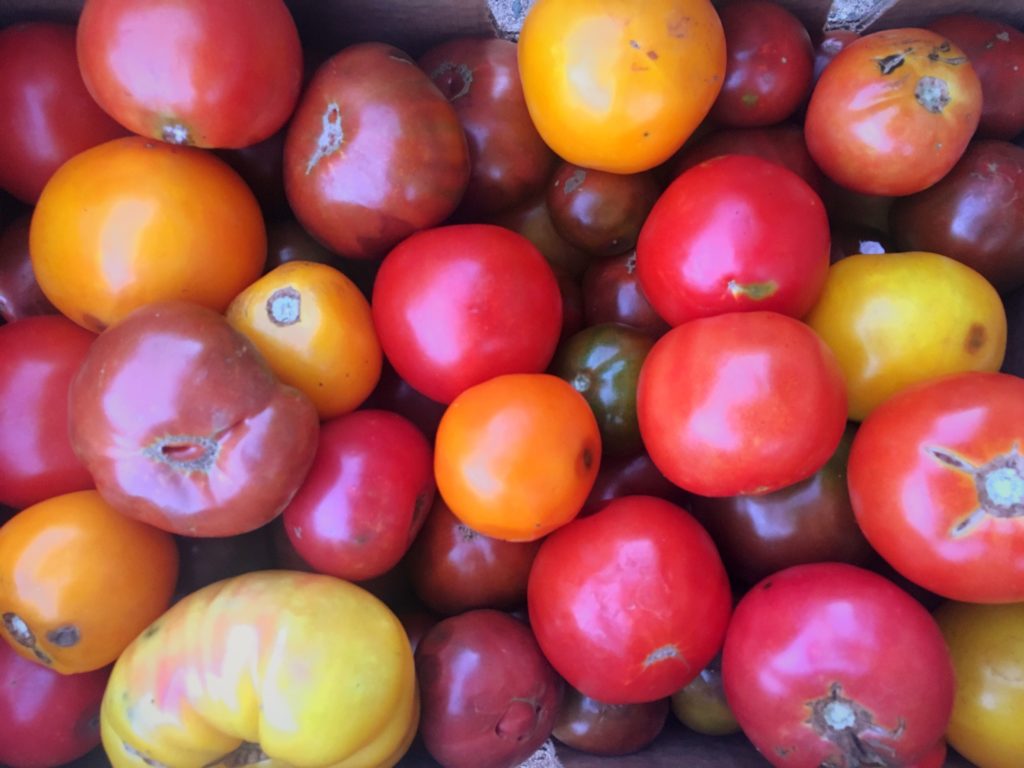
{"x": 417, "y": 623}
{"x": 572, "y": 304}
{"x": 287, "y": 240}
{"x": 631, "y": 476}
{"x": 374, "y": 152}
{"x": 509, "y": 161}
{"x": 261, "y": 165}
{"x": 533, "y": 221}
{"x": 850, "y": 239}
{"x": 206, "y": 561}
{"x": 612, "y": 294}
{"x": 608, "y": 729}
{"x": 975, "y": 214}
{"x": 20, "y": 294}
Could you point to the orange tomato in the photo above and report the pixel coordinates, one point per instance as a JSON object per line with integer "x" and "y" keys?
{"x": 135, "y": 221}
{"x": 316, "y": 330}
{"x": 517, "y": 455}
{"x": 619, "y": 85}
{"x": 78, "y": 581}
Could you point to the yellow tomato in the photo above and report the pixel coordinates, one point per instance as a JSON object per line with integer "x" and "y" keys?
{"x": 987, "y": 645}
{"x": 619, "y": 85}
{"x": 294, "y": 669}
{"x": 316, "y": 330}
{"x": 897, "y": 319}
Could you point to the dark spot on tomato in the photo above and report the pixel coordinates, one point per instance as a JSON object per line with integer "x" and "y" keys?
{"x": 66, "y": 636}
{"x": 976, "y": 336}
{"x": 652, "y": 55}
{"x": 889, "y": 64}
{"x": 634, "y": 44}
{"x": 587, "y": 457}
{"x": 767, "y": 585}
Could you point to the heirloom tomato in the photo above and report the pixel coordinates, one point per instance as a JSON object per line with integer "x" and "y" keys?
{"x": 701, "y": 705}
{"x": 591, "y": 726}
{"x": 291, "y": 668}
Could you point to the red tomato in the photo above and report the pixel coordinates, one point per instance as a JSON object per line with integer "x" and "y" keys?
{"x": 209, "y": 74}
{"x": 40, "y": 357}
{"x": 743, "y": 403}
{"x": 365, "y": 497}
{"x": 734, "y": 234}
{"x": 458, "y": 305}
{"x": 46, "y": 114}
{"x": 832, "y": 665}
{"x": 629, "y": 604}
{"x": 937, "y": 484}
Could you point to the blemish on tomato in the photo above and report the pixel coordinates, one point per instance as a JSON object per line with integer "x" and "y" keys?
{"x": 889, "y": 64}
{"x": 976, "y": 336}
{"x": 65, "y": 636}
{"x": 652, "y": 55}
{"x": 575, "y": 181}
{"x": 454, "y": 80}
{"x": 176, "y": 133}
{"x": 332, "y": 136}
{"x": 932, "y": 93}
{"x": 755, "y": 291}
{"x": 663, "y": 653}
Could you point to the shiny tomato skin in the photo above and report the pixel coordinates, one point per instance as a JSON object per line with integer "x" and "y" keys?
{"x": 816, "y": 674}
{"x": 630, "y": 603}
{"x": 46, "y": 114}
{"x": 937, "y": 484}
{"x": 223, "y": 74}
{"x": 612, "y": 294}
{"x": 723, "y": 402}
{"x": 40, "y": 357}
{"x": 457, "y": 305}
{"x": 734, "y": 234}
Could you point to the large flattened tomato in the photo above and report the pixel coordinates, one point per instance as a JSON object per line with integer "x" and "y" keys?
{"x": 936, "y": 479}
{"x": 296, "y": 668}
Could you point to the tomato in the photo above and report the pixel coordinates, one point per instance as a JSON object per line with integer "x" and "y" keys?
{"x": 619, "y": 85}
{"x": 393, "y": 393}
{"x": 630, "y": 603}
{"x": 734, "y": 234}
{"x": 533, "y": 221}
{"x": 899, "y": 318}
{"x": 937, "y": 484}
{"x": 261, "y": 165}
{"x": 816, "y": 674}
{"x": 987, "y": 645}
{"x": 182, "y": 424}
{"x": 455, "y": 306}
{"x": 374, "y": 152}
{"x": 20, "y": 294}
{"x": 365, "y": 497}
{"x": 46, "y": 718}
{"x": 202, "y": 562}
{"x": 224, "y": 74}
{"x": 315, "y": 329}
{"x": 723, "y": 402}
{"x": 516, "y": 456}
{"x": 298, "y": 668}
{"x": 631, "y": 476}
{"x": 612, "y": 294}
{"x": 700, "y": 705}
{"x": 41, "y": 355}
{"x": 78, "y": 581}
{"x": 591, "y": 726}
{"x": 893, "y": 112}
{"x": 46, "y": 114}
{"x": 133, "y": 221}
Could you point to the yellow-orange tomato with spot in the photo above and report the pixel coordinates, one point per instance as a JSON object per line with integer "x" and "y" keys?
{"x": 78, "y": 581}
{"x": 619, "y": 85}
{"x": 516, "y": 456}
{"x": 135, "y": 221}
{"x": 316, "y": 330}
{"x": 897, "y": 319}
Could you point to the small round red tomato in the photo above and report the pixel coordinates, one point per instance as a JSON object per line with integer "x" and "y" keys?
{"x": 829, "y": 664}
{"x": 723, "y": 403}
{"x": 734, "y": 234}
{"x": 937, "y": 484}
{"x": 221, "y": 74}
{"x": 455, "y": 306}
{"x": 46, "y": 113}
{"x": 893, "y": 112}
{"x": 629, "y": 604}
{"x": 40, "y": 357}
{"x": 365, "y": 497}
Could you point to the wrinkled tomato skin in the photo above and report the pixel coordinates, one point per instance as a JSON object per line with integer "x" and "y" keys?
{"x": 40, "y": 357}
{"x": 817, "y": 672}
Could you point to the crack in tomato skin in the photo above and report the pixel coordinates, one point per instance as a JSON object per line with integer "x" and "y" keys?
{"x": 849, "y": 726}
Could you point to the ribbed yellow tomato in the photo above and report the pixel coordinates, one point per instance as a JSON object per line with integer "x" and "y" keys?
{"x": 619, "y": 85}
{"x": 897, "y": 319}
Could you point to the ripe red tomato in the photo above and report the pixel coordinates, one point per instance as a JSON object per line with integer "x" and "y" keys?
{"x": 829, "y": 664}
{"x": 937, "y": 484}
{"x": 630, "y": 603}
{"x": 742, "y": 403}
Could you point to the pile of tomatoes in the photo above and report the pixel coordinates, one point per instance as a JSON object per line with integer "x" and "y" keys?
{"x": 355, "y": 403}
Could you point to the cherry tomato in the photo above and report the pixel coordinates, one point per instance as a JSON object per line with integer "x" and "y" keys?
{"x": 223, "y": 74}
{"x": 816, "y": 674}
{"x": 516, "y": 456}
{"x": 700, "y": 705}
{"x": 937, "y": 484}
{"x": 596, "y": 728}
{"x": 619, "y": 85}
{"x": 631, "y": 476}
{"x": 630, "y": 603}
{"x": 612, "y": 294}
{"x": 723, "y": 402}
{"x": 134, "y": 221}
{"x": 78, "y": 581}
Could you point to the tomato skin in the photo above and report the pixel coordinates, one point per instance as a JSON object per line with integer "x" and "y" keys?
{"x": 20, "y": 294}
{"x": 142, "y": 63}
{"x": 619, "y": 85}
{"x": 700, "y": 705}
{"x": 591, "y": 726}
{"x": 893, "y": 112}
{"x": 815, "y": 674}
{"x": 630, "y": 603}
{"x": 42, "y": 86}
{"x": 919, "y": 478}
{"x": 722, "y": 403}
{"x": 612, "y": 294}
